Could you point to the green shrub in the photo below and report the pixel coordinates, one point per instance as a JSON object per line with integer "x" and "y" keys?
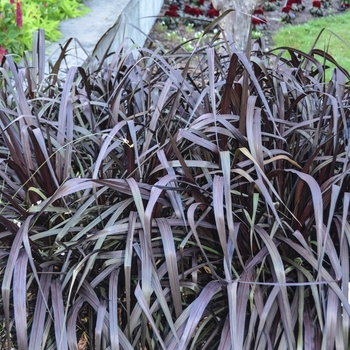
{"x": 176, "y": 201}
{"x": 20, "y": 19}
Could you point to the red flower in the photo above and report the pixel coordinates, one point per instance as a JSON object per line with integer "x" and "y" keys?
{"x": 200, "y": 2}
{"x": 213, "y": 13}
{"x": 316, "y": 4}
{"x": 19, "y": 14}
{"x": 290, "y": 3}
{"x": 298, "y": 2}
{"x": 286, "y": 9}
{"x": 195, "y": 12}
{"x": 173, "y": 7}
{"x": 3, "y": 52}
{"x": 258, "y": 21}
{"x": 255, "y": 21}
{"x": 12, "y": 1}
{"x": 171, "y": 13}
{"x": 187, "y": 8}
{"x": 259, "y": 11}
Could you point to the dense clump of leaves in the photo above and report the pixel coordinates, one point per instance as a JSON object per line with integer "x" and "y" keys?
{"x": 178, "y": 201}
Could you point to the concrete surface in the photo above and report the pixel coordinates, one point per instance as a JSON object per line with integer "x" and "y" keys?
{"x": 103, "y": 14}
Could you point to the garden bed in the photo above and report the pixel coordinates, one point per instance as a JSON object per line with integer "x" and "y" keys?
{"x": 173, "y": 35}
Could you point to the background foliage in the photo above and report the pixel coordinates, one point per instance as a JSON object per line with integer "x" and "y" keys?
{"x": 16, "y": 37}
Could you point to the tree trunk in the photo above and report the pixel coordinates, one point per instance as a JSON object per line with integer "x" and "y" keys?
{"x": 237, "y": 23}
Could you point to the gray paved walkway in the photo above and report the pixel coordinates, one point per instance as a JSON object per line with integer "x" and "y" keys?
{"x": 89, "y": 28}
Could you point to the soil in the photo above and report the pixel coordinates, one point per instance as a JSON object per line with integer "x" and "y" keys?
{"x": 159, "y": 34}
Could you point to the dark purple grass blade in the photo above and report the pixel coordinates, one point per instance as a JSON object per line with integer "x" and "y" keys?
{"x": 146, "y": 257}
{"x": 88, "y": 295}
{"x": 198, "y": 140}
{"x": 309, "y": 331}
{"x": 36, "y": 335}
{"x": 199, "y": 306}
{"x": 102, "y": 47}
{"x": 50, "y": 183}
{"x": 144, "y": 305}
{"x": 231, "y": 225}
{"x": 127, "y": 267}
{"x": 113, "y": 310}
{"x": 155, "y": 118}
{"x": 331, "y": 321}
{"x": 171, "y": 262}
{"x": 21, "y": 100}
{"x": 277, "y": 265}
{"x": 69, "y": 139}
{"x": 59, "y": 314}
{"x": 218, "y": 204}
{"x": 72, "y": 324}
{"x": 103, "y": 152}
{"x": 241, "y": 308}
{"x": 38, "y": 59}
{"x": 212, "y": 94}
{"x": 193, "y": 225}
{"x": 161, "y": 294}
{"x": 101, "y": 312}
{"x": 253, "y": 129}
{"x": 63, "y": 115}
{"x": 345, "y": 262}
{"x": 265, "y": 312}
{"x": 20, "y": 298}
{"x": 7, "y": 278}
{"x": 318, "y": 210}
{"x": 41, "y": 55}
{"x": 225, "y": 341}
{"x": 3, "y": 253}
{"x": 327, "y": 278}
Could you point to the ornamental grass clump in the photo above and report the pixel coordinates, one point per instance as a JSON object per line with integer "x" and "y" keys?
{"x": 175, "y": 201}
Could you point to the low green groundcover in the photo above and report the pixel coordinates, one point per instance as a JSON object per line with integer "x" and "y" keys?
{"x": 20, "y": 19}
